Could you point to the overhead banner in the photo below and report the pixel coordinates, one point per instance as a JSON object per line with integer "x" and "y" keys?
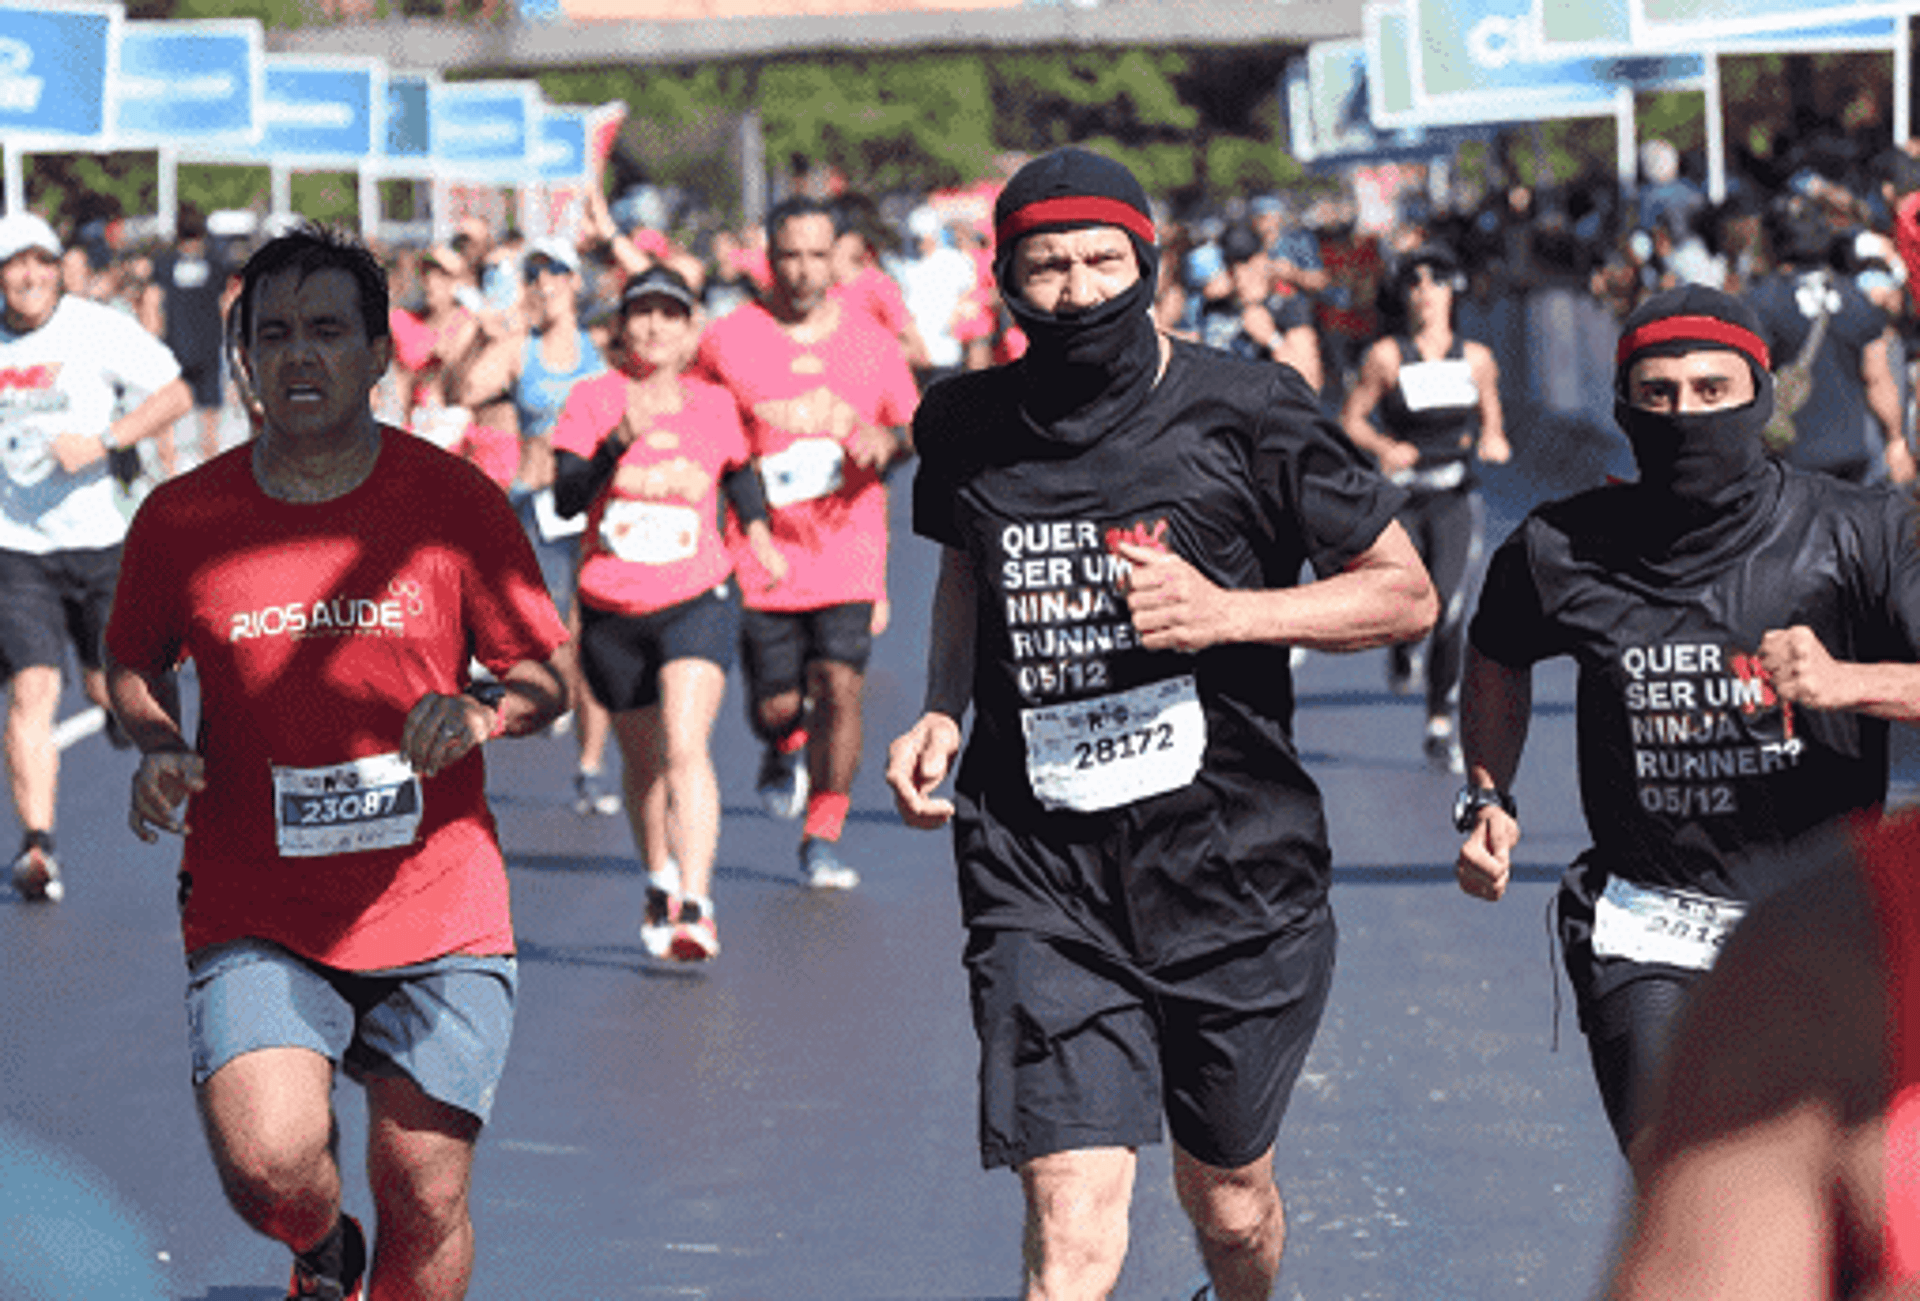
{"x": 485, "y": 130}
{"x": 1329, "y": 118}
{"x": 1615, "y": 27}
{"x": 1479, "y": 61}
{"x": 56, "y": 71}
{"x": 561, "y": 148}
{"x": 1667, "y": 24}
{"x": 407, "y": 140}
{"x": 189, "y": 83}
{"x": 322, "y": 112}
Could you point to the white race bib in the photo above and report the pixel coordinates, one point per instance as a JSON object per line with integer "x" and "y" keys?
{"x": 806, "y": 471}
{"x": 1655, "y": 924}
{"x": 371, "y": 803}
{"x": 546, "y": 516}
{"x": 1435, "y": 385}
{"x": 1089, "y": 755}
{"x": 650, "y": 532}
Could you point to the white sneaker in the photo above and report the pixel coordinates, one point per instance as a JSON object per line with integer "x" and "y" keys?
{"x": 783, "y": 784}
{"x": 823, "y": 868}
{"x": 36, "y": 874}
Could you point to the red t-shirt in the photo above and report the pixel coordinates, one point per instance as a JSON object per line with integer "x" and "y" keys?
{"x": 1887, "y": 854}
{"x": 875, "y": 294}
{"x": 653, "y": 536}
{"x": 315, "y": 629}
{"x": 800, "y": 405}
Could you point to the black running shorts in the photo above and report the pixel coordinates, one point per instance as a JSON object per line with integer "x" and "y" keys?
{"x": 47, "y": 601}
{"x": 1079, "y": 1050}
{"x": 621, "y": 654}
{"x": 777, "y": 645}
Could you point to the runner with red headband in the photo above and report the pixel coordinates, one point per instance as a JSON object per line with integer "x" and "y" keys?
{"x": 1742, "y": 630}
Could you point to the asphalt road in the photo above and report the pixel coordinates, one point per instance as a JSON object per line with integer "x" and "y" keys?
{"x": 797, "y": 1119}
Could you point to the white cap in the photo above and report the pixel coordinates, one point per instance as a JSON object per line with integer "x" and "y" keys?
{"x": 923, "y": 222}
{"x": 558, "y": 251}
{"x": 20, "y": 231}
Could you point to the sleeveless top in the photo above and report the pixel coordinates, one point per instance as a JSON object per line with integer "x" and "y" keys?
{"x": 539, "y": 393}
{"x": 1887, "y": 855}
{"x": 1434, "y": 405}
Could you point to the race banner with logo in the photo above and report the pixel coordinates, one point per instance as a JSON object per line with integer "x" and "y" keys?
{"x": 1613, "y": 27}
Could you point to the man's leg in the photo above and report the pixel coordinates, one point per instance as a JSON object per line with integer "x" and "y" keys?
{"x": 833, "y": 751}
{"x": 1076, "y": 1235}
{"x": 1238, "y": 1222}
{"x": 33, "y": 764}
{"x": 269, "y": 1121}
{"x": 420, "y": 1164}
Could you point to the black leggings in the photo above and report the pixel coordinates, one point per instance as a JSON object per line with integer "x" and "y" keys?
{"x": 1627, "y": 1031}
{"x": 1446, "y": 529}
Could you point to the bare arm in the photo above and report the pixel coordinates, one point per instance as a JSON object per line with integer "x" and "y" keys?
{"x": 1494, "y": 447}
{"x": 1804, "y": 673}
{"x": 1496, "y": 708}
{"x": 919, "y": 760}
{"x": 158, "y": 411}
{"x": 1378, "y": 371}
{"x": 1382, "y": 596}
{"x": 1883, "y": 399}
{"x": 148, "y": 708}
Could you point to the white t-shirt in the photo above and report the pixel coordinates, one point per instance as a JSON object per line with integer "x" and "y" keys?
{"x": 933, "y": 287}
{"x": 70, "y": 376}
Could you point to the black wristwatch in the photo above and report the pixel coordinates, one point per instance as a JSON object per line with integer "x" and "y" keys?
{"x": 489, "y": 694}
{"x": 1471, "y": 799}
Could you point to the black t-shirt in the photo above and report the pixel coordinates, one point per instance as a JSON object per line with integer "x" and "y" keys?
{"x": 1231, "y": 465}
{"x": 1831, "y": 429}
{"x": 1690, "y": 767}
{"x": 1220, "y": 325}
{"x": 192, "y": 284}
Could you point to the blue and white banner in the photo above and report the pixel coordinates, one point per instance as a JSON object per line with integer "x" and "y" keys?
{"x": 189, "y": 83}
{"x": 56, "y": 71}
{"x": 1669, "y": 24}
{"x": 1479, "y": 61}
{"x": 322, "y": 112}
{"x": 560, "y": 152}
{"x": 1614, "y": 27}
{"x": 484, "y": 130}
{"x": 408, "y": 138}
{"x": 1330, "y": 121}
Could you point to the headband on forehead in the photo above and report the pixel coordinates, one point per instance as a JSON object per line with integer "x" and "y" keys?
{"x": 1708, "y": 331}
{"x": 1074, "y": 210}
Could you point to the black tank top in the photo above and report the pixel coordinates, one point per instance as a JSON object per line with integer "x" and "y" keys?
{"x": 1435, "y": 405}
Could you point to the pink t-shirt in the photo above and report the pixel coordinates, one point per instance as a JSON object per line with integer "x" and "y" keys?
{"x": 800, "y": 405}
{"x": 874, "y": 294}
{"x": 653, "y": 536}
{"x": 315, "y": 628}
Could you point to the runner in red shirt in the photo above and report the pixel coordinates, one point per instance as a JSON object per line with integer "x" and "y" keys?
{"x": 644, "y": 450}
{"x": 343, "y": 896}
{"x": 824, "y": 396}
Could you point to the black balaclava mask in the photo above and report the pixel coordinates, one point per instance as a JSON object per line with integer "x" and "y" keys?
{"x": 1084, "y": 371}
{"x": 1706, "y": 476}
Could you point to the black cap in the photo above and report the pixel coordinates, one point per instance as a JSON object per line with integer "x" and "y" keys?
{"x": 658, "y": 282}
{"x": 1239, "y": 244}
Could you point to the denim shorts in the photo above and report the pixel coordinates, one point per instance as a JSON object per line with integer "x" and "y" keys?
{"x": 444, "y": 1024}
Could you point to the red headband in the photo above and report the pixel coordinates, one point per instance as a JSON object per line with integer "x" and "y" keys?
{"x": 1703, "y": 329}
{"x": 1075, "y": 210}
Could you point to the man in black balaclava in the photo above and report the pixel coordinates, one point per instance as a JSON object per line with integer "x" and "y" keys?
{"x": 1742, "y": 630}
{"x": 1143, "y": 862}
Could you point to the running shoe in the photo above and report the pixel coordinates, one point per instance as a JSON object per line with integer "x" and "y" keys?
{"x": 591, "y": 796}
{"x": 36, "y": 873}
{"x": 783, "y": 783}
{"x": 823, "y": 868}
{"x": 657, "y": 923}
{"x": 1443, "y": 747}
{"x": 306, "y": 1285}
{"x": 1406, "y": 674}
{"x": 695, "y": 938}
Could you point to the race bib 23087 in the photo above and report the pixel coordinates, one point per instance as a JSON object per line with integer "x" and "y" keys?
{"x": 1090, "y": 755}
{"x": 344, "y": 808}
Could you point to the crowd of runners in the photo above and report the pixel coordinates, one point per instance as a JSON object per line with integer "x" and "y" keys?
{"x": 1161, "y": 461}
